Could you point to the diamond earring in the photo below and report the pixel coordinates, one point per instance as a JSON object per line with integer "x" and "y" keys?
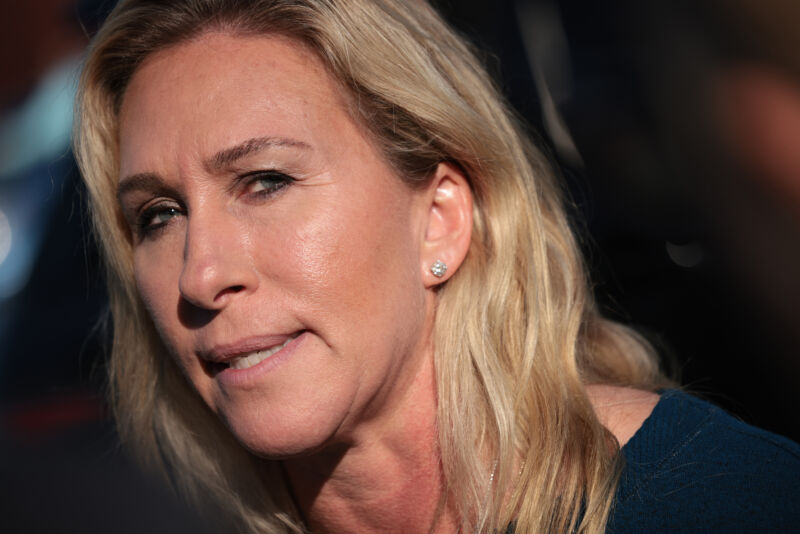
{"x": 438, "y": 268}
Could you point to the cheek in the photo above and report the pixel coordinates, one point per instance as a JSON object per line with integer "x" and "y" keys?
{"x": 156, "y": 275}
{"x": 333, "y": 257}
{"x": 353, "y": 262}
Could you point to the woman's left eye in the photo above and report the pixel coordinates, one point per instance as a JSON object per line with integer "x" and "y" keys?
{"x": 265, "y": 183}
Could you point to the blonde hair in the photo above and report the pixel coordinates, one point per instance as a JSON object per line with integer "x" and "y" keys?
{"x": 517, "y": 335}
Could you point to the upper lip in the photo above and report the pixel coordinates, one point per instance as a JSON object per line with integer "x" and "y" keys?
{"x": 225, "y": 352}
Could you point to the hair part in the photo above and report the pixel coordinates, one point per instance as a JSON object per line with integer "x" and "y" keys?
{"x": 517, "y": 333}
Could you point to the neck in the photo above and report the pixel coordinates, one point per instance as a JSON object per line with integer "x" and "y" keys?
{"x": 386, "y": 477}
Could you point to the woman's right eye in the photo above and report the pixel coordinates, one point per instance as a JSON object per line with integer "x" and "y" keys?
{"x": 156, "y": 217}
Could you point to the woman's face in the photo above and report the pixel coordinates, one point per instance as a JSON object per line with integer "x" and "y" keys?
{"x": 277, "y": 253}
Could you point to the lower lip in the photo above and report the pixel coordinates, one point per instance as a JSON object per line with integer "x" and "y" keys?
{"x": 247, "y": 377}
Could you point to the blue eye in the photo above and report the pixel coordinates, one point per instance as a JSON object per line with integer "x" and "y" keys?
{"x": 264, "y": 184}
{"x": 157, "y": 217}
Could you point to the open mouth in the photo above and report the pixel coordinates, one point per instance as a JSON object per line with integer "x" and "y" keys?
{"x": 249, "y": 359}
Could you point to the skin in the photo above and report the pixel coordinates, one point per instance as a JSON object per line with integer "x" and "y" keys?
{"x": 229, "y": 259}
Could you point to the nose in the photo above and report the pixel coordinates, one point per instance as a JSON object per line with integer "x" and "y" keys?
{"x": 217, "y": 265}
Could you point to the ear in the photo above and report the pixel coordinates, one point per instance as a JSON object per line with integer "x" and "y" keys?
{"x": 449, "y": 223}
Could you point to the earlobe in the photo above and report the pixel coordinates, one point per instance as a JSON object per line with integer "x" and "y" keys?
{"x": 449, "y": 224}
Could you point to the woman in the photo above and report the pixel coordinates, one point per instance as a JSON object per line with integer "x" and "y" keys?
{"x": 345, "y": 296}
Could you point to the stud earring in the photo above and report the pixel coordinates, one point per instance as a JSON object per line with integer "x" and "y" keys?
{"x": 438, "y": 268}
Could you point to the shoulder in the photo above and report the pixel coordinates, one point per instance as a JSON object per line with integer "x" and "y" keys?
{"x": 693, "y": 468}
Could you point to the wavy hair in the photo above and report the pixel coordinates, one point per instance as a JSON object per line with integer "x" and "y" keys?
{"x": 517, "y": 334}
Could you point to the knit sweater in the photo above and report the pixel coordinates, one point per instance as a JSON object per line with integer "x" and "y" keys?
{"x": 692, "y": 468}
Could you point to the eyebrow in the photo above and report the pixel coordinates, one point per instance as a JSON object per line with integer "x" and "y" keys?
{"x": 219, "y": 161}
{"x": 143, "y": 181}
{"x": 227, "y": 157}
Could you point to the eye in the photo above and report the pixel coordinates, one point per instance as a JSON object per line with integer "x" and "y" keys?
{"x": 156, "y": 217}
{"x": 263, "y": 184}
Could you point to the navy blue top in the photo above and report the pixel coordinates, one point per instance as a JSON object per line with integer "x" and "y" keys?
{"x": 692, "y": 468}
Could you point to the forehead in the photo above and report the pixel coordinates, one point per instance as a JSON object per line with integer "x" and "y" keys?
{"x": 218, "y": 89}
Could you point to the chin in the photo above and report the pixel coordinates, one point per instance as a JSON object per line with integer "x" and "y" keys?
{"x": 277, "y": 435}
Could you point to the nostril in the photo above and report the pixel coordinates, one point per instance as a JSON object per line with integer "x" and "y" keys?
{"x": 230, "y": 290}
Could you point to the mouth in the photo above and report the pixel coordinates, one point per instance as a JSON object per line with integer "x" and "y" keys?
{"x": 245, "y": 360}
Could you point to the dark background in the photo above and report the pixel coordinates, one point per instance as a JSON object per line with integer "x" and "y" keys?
{"x": 676, "y": 127}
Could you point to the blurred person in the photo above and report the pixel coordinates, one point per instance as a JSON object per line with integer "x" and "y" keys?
{"x": 39, "y": 47}
{"x": 346, "y": 298}
{"x": 693, "y": 235}
{"x": 755, "y": 109}
{"x": 723, "y": 84}
{"x": 61, "y": 469}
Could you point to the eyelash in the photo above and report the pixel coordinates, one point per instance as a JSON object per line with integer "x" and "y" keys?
{"x": 277, "y": 182}
{"x": 144, "y": 223}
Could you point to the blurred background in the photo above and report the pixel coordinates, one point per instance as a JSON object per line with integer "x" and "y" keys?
{"x": 675, "y": 125}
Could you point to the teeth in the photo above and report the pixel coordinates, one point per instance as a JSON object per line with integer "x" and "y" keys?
{"x": 254, "y": 358}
